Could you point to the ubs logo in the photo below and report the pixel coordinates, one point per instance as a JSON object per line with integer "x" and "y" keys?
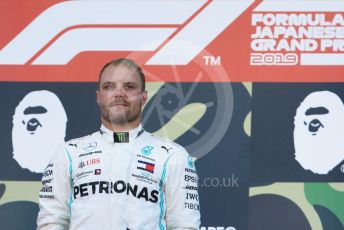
{"x": 81, "y": 165}
{"x": 93, "y": 161}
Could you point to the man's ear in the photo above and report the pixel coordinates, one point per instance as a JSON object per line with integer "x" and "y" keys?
{"x": 97, "y": 97}
{"x": 144, "y": 97}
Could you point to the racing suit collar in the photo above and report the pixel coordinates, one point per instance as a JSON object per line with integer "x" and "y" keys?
{"x": 128, "y": 135}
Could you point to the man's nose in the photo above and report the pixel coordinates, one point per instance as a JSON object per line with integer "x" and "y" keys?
{"x": 119, "y": 92}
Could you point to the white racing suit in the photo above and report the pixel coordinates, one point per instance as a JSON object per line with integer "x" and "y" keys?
{"x": 138, "y": 182}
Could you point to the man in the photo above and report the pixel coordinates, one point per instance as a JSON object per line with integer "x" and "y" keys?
{"x": 121, "y": 177}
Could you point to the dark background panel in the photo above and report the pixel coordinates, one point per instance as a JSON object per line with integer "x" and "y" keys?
{"x": 228, "y": 160}
{"x": 79, "y": 103}
{"x": 225, "y": 207}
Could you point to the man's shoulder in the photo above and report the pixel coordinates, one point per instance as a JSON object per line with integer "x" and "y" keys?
{"x": 80, "y": 142}
{"x": 165, "y": 143}
{"x": 74, "y": 147}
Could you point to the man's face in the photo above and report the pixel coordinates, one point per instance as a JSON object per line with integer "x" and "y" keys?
{"x": 120, "y": 95}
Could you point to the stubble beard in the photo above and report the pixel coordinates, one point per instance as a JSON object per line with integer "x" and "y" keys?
{"x": 119, "y": 118}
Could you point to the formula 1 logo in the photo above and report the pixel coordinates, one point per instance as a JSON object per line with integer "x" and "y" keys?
{"x": 252, "y": 39}
{"x": 175, "y": 29}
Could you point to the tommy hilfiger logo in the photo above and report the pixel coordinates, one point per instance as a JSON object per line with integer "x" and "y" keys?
{"x": 146, "y": 166}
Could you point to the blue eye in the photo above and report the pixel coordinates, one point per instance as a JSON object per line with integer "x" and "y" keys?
{"x": 108, "y": 86}
{"x": 129, "y": 87}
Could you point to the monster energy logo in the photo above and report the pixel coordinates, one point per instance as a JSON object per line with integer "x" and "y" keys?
{"x": 121, "y": 137}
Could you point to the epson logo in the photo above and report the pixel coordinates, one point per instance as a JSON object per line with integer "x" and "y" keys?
{"x": 190, "y": 178}
{"x": 96, "y": 187}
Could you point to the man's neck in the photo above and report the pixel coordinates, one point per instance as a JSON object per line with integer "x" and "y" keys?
{"x": 121, "y": 127}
